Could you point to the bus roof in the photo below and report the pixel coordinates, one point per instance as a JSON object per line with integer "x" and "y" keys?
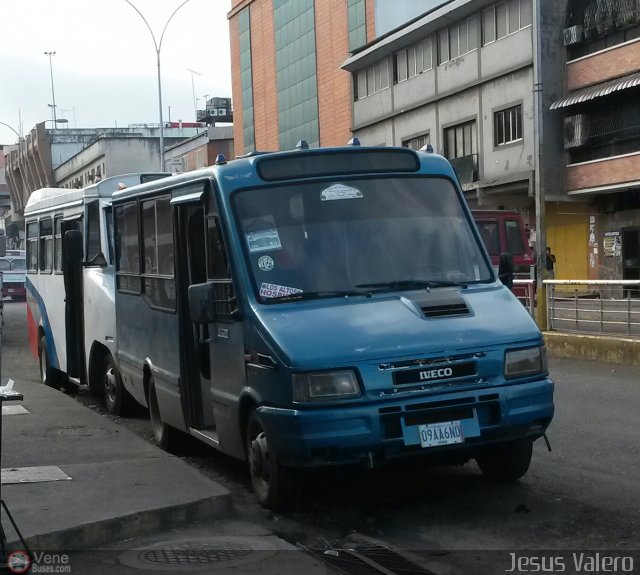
{"x": 267, "y": 167}
{"x": 48, "y": 198}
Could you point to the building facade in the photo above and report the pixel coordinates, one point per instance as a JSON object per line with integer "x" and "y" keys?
{"x": 287, "y": 82}
{"x": 601, "y": 117}
{"x": 475, "y": 80}
{"x": 200, "y": 151}
{"x": 39, "y": 159}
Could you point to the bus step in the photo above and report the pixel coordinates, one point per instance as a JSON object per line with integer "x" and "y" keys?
{"x": 209, "y": 436}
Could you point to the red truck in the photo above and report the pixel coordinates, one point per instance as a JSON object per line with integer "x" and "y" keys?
{"x": 13, "y": 269}
{"x": 503, "y": 231}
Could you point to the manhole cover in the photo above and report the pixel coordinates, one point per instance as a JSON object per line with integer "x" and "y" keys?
{"x": 190, "y": 555}
{"x": 196, "y": 554}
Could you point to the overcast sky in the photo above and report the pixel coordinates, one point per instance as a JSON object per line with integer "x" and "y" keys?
{"x": 104, "y": 69}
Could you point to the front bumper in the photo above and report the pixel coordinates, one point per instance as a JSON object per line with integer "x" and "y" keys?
{"x": 374, "y": 432}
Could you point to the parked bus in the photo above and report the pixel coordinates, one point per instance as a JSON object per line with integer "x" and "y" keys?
{"x": 74, "y": 348}
{"x": 321, "y": 307}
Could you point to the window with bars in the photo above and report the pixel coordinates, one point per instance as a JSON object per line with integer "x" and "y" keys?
{"x": 413, "y": 60}
{"x": 507, "y": 126}
{"x": 504, "y": 18}
{"x": 418, "y": 142}
{"x": 457, "y": 40}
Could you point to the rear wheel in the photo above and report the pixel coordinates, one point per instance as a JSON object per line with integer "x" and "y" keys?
{"x": 167, "y": 437}
{"x": 274, "y": 484}
{"x": 116, "y": 398}
{"x": 46, "y": 373}
{"x": 506, "y": 463}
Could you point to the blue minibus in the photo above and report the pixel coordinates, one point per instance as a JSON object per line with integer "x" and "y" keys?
{"x": 319, "y": 307}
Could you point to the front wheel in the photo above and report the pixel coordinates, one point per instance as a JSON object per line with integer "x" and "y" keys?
{"x": 506, "y": 463}
{"x": 274, "y": 484}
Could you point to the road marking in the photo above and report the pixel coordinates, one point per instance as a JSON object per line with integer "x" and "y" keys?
{"x": 14, "y": 410}
{"x": 11, "y": 475}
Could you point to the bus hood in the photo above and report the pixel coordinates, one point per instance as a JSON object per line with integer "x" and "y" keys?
{"x": 331, "y": 333}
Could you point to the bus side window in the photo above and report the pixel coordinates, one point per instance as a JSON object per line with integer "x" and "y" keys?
{"x": 32, "y": 247}
{"x": 217, "y": 264}
{"x": 127, "y": 248}
{"x": 57, "y": 248}
{"x": 93, "y": 243}
{"x": 46, "y": 245}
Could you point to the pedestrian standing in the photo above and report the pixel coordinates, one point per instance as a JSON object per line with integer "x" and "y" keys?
{"x": 550, "y": 262}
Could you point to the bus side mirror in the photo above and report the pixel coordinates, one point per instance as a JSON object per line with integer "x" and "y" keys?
{"x": 202, "y": 303}
{"x": 71, "y": 249}
{"x": 505, "y": 270}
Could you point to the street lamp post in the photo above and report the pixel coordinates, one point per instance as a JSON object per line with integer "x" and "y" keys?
{"x": 12, "y": 129}
{"x": 158, "y": 47}
{"x": 53, "y": 94}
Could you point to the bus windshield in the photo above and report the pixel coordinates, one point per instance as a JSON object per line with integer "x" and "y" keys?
{"x": 19, "y": 264}
{"x": 383, "y": 234}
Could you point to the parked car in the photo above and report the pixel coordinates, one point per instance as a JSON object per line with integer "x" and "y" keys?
{"x": 13, "y": 268}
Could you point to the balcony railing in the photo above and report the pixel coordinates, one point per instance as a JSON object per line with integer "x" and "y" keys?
{"x": 466, "y": 168}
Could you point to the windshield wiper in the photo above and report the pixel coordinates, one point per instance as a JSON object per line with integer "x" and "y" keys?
{"x": 412, "y": 284}
{"x": 321, "y": 294}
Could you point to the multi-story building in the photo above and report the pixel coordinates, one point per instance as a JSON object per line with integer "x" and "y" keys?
{"x": 199, "y": 151}
{"x": 76, "y": 157}
{"x": 286, "y": 77}
{"x": 475, "y": 79}
{"x": 601, "y": 114}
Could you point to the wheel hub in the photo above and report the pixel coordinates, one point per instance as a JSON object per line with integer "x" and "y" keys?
{"x": 259, "y": 453}
{"x": 110, "y": 384}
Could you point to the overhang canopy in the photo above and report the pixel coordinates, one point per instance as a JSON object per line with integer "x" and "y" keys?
{"x": 597, "y": 91}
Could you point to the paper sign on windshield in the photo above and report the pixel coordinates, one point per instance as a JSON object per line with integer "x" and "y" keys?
{"x": 263, "y": 240}
{"x": 340, "y": 192}
{"x": 274, "y": 290}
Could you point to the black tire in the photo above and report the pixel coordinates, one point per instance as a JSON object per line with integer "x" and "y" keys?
{"x": 47, "y": 375}
{"x": 506, "y": 463}
{"x": 274, "y": 485}
{"x": 117, "y": 400}
{"x": 167, "y": 437}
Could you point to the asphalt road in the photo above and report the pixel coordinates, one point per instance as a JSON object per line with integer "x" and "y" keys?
{"x": 585, "y": 494}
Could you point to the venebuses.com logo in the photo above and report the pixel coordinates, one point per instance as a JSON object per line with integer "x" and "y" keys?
{"x": 18, "y": 562}
{"x": 21, "y": 562}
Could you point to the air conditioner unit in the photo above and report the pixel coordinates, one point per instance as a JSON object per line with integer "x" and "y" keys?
{"x": 576, "y": 131}
{"x": 573, "y": 35}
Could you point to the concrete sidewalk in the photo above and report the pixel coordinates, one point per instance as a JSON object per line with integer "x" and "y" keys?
{"x": 119, "y": 485}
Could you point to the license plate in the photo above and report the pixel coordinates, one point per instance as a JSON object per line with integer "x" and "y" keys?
{"x": 11, "y": 290}
{"x": 445, "y": 433}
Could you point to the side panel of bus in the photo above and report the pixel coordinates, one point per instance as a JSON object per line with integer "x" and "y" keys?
{"x": 147, "y": 322}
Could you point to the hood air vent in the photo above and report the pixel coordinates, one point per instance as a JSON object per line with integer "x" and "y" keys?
{"x": 447, "y": 302}
{"x": 445, "y": 310}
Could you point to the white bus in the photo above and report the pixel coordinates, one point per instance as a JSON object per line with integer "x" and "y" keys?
{"x": 70, "y": 308}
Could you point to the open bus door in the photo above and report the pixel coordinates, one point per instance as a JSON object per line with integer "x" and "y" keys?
{"x": 72, "y": 256}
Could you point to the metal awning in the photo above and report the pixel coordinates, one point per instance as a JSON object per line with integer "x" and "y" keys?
{"x": 598, "y": 91}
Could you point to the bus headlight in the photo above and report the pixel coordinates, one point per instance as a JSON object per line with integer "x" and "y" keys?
{"x": 325, "y": 386}
{"x": 525, "y": 362}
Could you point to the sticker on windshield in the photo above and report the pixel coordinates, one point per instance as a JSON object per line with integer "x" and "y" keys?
{"x": 263, "y": 240}
{"x": 265, "y": 263}
{"x": 274, "y": 290}
{"x": 340, "y": 192}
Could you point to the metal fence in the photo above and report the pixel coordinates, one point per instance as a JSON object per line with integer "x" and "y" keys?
{"x": 525, "y": 291}
{"x": 607, "y": 307}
